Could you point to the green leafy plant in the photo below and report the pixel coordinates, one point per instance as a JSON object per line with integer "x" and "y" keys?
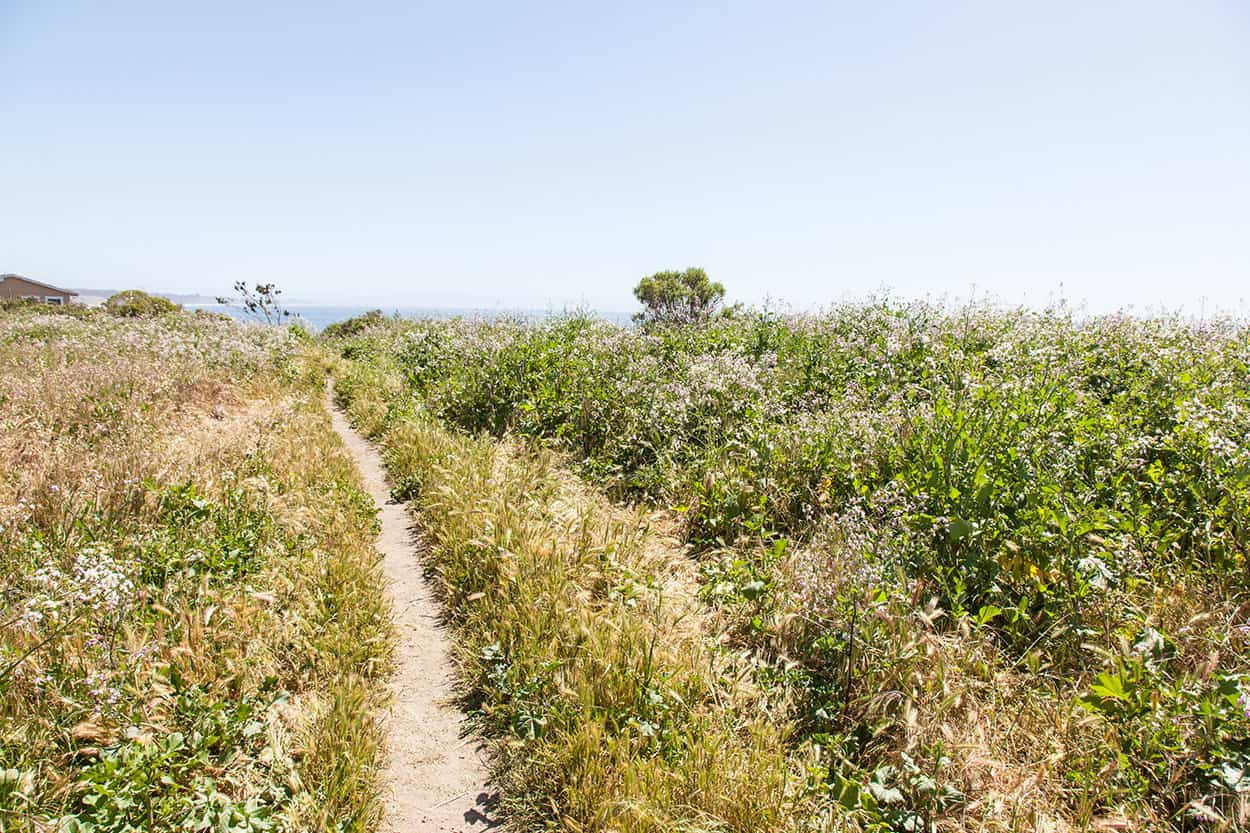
{"x": 672, "y": 297}
{"x": 133, "y": 303}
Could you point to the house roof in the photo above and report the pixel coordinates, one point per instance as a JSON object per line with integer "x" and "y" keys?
{"x": 4, "y": 278}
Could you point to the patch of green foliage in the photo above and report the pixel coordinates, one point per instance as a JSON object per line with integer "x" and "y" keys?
{"x": 224, "y": 539}
{"x": 354, "y": 326}
{"x": 134, "y": 303}
{"x": 32, "y": 306}
{"x": 1008, "y": 448}
{"x": 164, "y": 783}
{"x": 1056, "y": 485}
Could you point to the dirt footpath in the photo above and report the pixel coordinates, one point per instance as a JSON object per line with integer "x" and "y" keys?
{"x": 436, "y": 777}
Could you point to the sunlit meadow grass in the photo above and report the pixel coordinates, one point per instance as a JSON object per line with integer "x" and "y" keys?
{"x": 192, "y": 629}
{"x": 581, "y": 647}
{"x": 977, "y": 569}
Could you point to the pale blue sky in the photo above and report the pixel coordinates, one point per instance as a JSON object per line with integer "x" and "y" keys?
{"x": 541, "y": 154}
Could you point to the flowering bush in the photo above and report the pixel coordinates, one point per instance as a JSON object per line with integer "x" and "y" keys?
{"x": 1021, "y": 493}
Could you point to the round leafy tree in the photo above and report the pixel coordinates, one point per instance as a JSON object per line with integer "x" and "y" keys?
{"x": 674, "y": 297}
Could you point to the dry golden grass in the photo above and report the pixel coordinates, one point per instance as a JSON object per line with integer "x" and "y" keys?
{"x": 190, "y": 590}
{"x": 584, "y": 647}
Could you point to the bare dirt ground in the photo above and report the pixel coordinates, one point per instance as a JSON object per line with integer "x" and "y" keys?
{"x": 436, "y": 776}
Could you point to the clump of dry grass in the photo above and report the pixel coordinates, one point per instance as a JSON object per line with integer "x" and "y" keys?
{"x": 192, "y": 628}
{"x": 581, "y": 650}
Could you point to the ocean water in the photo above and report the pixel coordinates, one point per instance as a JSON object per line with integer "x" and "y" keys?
{"x": 318, "y": 316}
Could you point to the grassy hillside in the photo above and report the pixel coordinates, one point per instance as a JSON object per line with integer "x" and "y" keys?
{"x": 192, "y": 630}
{"x": 951, "y": 570}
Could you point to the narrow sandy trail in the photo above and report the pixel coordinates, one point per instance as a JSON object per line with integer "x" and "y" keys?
{"x": 435, "y": 776}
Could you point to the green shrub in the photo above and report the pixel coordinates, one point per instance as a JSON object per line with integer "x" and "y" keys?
{"x": 33, "y": 306}
{"x": 1011, "y": 447}
{"x": 133, "y": 303}
{"x": 354, "y": 326}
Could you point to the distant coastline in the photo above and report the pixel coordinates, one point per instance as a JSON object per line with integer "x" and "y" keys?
{"x": 318, "y": 316}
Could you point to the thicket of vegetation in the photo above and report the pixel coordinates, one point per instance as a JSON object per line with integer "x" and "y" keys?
{"x": 30, "y": 304}
{"x": 192, "y": 628}
{"x": 134, "y": 303}
{"x": 988, "y": 568}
